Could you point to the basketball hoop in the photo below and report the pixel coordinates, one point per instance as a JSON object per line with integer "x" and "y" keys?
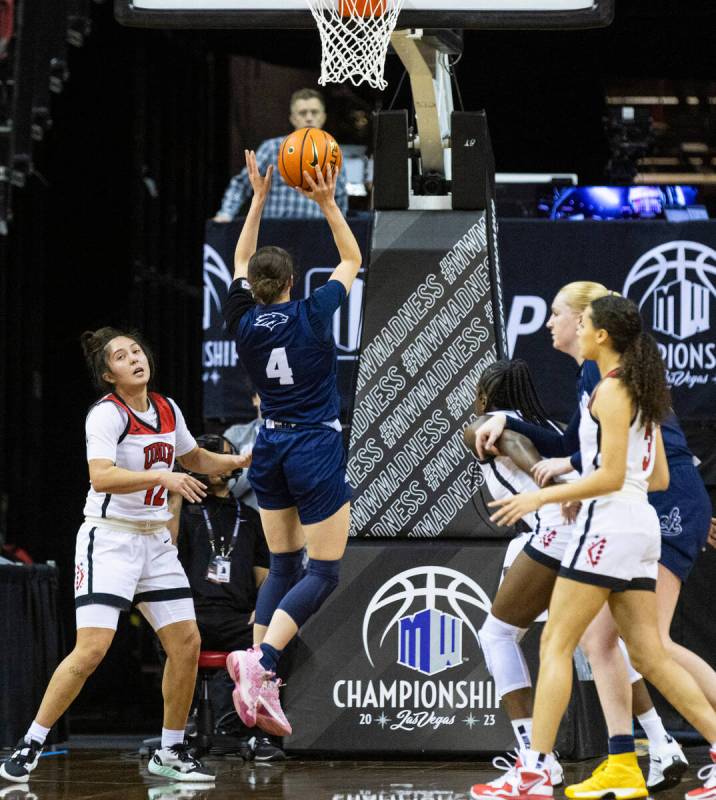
{"x": 354, "y": 38}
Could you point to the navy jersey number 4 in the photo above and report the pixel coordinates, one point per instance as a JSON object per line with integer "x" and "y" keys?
{"x": 278, "y": 367}
{"x": 289, "y": 351}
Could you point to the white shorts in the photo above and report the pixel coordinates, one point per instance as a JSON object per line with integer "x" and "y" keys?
{"x": 551, "y": 537}
{"x": 616, "y": 544}
{"x": 115, "y": 568}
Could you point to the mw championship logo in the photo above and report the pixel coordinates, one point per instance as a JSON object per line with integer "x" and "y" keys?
{"x": 673, "y": 285}
{"x": 419, "y": 637}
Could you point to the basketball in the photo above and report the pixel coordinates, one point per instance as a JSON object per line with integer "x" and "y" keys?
{"x": 308, "y": 149}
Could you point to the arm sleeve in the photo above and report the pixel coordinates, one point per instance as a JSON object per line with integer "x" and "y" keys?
{"x": 323, "y": 304}
{"x": 342, "y": 193}
{"x": 185, "y": 442}
{"x": 237, "y": 303}
{"x": 548, "y": 441}
{"x": 104, "y": 425}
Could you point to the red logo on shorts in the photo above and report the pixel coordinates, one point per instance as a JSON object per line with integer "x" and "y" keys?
{"x": 595, "y": 550}
{"x": 79, "y": 577}
{"x": 548, "y": 538}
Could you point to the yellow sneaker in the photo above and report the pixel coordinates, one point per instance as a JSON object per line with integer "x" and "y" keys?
{"x": 618, "y": 777}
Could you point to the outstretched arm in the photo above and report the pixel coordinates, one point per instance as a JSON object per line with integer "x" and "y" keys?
{"x": 246, "y": 246}
{"x": 323, "y": 192}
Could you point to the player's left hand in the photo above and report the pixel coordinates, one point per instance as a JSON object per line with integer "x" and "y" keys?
{"x": 545, "y": 471}
{"x": 512, "y": 509}
{"x": 240, "y": 461}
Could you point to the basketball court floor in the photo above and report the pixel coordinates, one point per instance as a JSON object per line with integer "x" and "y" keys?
{"x": 92, "y": 771}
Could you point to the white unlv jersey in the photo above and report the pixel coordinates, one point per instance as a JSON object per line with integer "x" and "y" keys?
{"x": 135, "y": 441}
{"x": 504, "y": 478}
{"x": 640, "y": 450}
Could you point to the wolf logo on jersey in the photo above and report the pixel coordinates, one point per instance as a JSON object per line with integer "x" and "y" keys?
{"x": 270, "y": 320}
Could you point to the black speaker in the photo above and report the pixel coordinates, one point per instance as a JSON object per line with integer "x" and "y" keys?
{"x": 390, "y": 165}
{"x": 473, "y": 165}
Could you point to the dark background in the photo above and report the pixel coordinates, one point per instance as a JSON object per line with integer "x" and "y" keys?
{"x": 109, "y": 228}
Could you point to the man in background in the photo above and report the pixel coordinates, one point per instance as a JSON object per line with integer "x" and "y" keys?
{"x": 307, "y": 110}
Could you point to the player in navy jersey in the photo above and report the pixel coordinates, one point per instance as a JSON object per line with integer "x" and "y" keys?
{"x": 298, "y": 467}
{"x": 124, "y": 552}
{"x": 682, "y": 540}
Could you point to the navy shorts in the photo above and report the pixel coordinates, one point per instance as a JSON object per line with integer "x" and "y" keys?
{"x": 684, "y": 511}
{"x": 303, "y": 467}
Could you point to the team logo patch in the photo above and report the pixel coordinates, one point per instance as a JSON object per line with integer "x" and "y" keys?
{"x": 670, "y": 523}
{"x": 429, "y": 639}
{"x": 158, "y": 452}
{"x": 595, "y": 550}
{"x": 79, "y": 576}
{"x": 548, "y": 538}
{"x": 270, "y": 320}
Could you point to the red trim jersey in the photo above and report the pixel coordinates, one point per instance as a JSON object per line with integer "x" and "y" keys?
{"x": 137, "y": 441}
{"x": 641, "y": 449}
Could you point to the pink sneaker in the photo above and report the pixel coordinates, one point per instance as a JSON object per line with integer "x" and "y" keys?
{"x": 247, "y": 673}
{"x": 269, "y": 714}
{"x": 707, "y": 774}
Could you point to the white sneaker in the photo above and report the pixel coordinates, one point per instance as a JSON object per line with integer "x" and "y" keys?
{"x": 507, "y": 785}
{"x": 19, "y": 765}
{"x": 667, "y": 763}
{"x": 177, "y": 763}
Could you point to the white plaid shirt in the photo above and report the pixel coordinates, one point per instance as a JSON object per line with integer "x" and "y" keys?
{"x": 282, "y": 201}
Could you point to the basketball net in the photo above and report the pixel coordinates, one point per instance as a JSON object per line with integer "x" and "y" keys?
{"x": 355, "y": 35}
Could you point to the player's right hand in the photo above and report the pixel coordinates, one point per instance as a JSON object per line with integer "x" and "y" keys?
{"x": 548, "y": 469}
{"x": 261, "y": 184}
{"x": 570, "y": 511}
{"x": 186, "y": 485}
{"x": 712, "y": 533}
{"x": 322, "y": 190}
{"x": 487, "y": 434}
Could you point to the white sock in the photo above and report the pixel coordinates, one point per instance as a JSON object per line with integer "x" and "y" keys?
{"x": 523, "y": 732}
{"x": 653, "y": 727}
{"x": 36, "y": 732}
{"x": 533, "y": 760}
{"x": 170, "y": 737}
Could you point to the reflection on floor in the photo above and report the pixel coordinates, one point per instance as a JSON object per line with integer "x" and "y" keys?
{"x": 86, "y": 773}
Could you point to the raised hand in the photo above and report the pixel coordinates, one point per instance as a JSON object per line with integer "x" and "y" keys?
{"x": 261, "y": 184}
{"x": 322, "y": 190}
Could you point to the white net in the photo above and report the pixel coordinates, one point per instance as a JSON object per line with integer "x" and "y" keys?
{"x": 355, "y": 35}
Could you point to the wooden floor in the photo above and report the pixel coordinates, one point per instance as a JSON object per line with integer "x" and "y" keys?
{"x": 86, "y": 772}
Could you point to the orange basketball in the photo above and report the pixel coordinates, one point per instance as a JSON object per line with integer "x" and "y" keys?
{"x": 308, "y": 149}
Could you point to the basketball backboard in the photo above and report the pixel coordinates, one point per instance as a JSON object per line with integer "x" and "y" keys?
{"x": 488, "y": 14}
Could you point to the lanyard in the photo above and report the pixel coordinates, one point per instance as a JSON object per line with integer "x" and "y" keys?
{"x": 210, "y": 530}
